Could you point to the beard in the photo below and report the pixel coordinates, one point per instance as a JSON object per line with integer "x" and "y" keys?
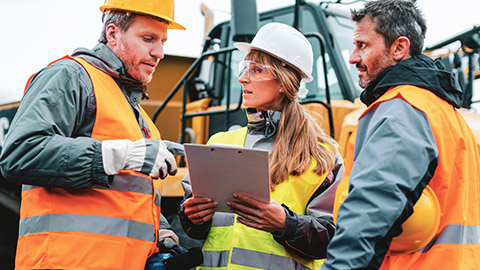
{"x": 371, "y": 73}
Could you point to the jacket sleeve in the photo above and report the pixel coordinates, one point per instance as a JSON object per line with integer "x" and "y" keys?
{"x": 192, "y": 230}
{"x": 45, "y": 145}
{"x": 308, "y": 235}
{"x": 395, "y": 157}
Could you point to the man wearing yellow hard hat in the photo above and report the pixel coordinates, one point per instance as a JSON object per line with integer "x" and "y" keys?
{"x": 88, "y": 155}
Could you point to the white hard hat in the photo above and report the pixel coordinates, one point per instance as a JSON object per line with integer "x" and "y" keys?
{"x": 285, "y": 43}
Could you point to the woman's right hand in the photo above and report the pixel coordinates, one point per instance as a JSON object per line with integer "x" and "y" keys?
{"x": 199, "y": 209}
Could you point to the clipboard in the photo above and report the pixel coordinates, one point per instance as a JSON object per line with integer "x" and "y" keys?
{"x": 217, "y": 171}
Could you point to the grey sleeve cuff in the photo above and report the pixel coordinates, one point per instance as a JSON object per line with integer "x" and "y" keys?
{"x": 99, "y": 177}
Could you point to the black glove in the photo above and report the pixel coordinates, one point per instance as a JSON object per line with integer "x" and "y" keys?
{"x": 190, "y": 259}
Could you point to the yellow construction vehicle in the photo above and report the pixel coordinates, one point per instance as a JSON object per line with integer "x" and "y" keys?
{"x": 460, "y": 55}
{"x": 212, "y": 94}
{"x": 191, "y": 99}
{"x": 210, "y": 85}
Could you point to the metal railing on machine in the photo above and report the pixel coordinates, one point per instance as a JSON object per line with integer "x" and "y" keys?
{"x": 183, "y": 81}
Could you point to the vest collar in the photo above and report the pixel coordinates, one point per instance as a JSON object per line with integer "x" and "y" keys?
{"x": 420, "y": 71}
{"x": 104, "y": 59}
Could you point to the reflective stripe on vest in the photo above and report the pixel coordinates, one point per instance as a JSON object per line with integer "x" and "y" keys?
{"x": 123, "y": 182}
{"x": 215, "y": 258}
{"x": 83, "y": 223}
{"x": 456, "y": 234}
{"x": 231, "y": 244}
{"x": 223, "y": 220}
{"x": 249, "y": 258}
{"x": 97, "y": 227}
{"x": 256, "y": 259}
{"x": 456, "y": 183}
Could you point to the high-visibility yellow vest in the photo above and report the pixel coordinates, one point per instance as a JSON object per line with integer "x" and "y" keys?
{"x": 98, "y": 227}
{"x": 232, "y": 245}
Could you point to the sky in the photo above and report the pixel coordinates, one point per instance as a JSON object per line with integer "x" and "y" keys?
{"x": 36, "y": 32}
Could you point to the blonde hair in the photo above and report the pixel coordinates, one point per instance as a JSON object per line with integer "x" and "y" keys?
{"x": 298, "y": 135}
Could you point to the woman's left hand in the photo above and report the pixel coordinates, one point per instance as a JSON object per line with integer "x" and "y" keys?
{"x": 269, "y": 217}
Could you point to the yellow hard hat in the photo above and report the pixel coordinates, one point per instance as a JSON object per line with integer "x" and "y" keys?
{"x": 420, "y": 228}
{"x": 340, "y": 195}
{"x": 159, "y": 8}
{"x": 417, "y": 231}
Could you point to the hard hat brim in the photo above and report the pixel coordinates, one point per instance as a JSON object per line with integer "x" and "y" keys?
{"x": 175, "y": 25}
{"x": 245, "y": 47}
{"x": 172, "y": 24}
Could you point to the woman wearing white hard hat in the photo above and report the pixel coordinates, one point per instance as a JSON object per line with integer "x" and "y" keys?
{"x": 294, "y": 229}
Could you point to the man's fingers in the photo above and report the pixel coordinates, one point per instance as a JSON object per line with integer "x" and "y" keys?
{"x": 171, "y": 164}
{"x": 162, "y": 172}
{"x": 170, "y": 170}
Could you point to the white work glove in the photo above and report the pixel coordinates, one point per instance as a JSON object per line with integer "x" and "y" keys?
{"x": 148, "y": 156}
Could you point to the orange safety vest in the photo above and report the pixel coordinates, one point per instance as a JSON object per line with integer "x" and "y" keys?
{"x": 456, "y": 183}
{"x": 97, "y": 227}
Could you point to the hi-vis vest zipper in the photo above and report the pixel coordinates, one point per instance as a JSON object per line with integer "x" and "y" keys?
{"x": 232, "y": 245}
{"x": 98, "y": 227}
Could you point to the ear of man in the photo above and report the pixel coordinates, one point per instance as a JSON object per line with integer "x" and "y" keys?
{"x": 400, "y": 49}
{"x": 111, "y": 34}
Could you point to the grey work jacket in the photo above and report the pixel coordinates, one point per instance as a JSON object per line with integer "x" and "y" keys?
{"x": 49, "y": 142}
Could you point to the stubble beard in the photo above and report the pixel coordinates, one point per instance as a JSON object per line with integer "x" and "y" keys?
{"x": 382, "y": 64}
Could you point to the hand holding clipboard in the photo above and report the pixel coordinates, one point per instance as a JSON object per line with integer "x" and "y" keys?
{"x": 217, "y": 171}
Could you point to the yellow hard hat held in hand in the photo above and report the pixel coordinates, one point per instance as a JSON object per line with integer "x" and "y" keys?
{"x": 164, "y": 9}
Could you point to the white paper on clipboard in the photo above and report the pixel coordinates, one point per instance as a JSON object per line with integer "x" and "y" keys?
{"x": 217, "y": 171}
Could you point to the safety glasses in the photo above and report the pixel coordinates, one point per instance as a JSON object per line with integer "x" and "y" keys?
{"x": 255, "y": 71}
